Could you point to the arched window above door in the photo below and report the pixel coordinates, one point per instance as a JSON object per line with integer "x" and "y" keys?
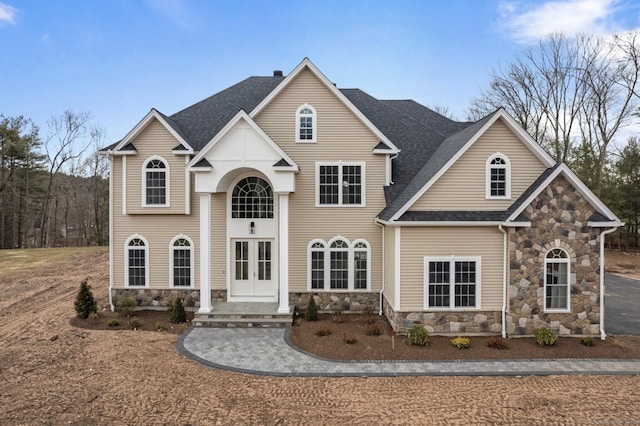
{"x": 252, "y": 198}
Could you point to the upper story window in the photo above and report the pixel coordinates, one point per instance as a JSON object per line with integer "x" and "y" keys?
{"x": 155, "y": 182}
{"x": 137, "y": 263}
{"x": 306, "y": 124}
{"x": 556, "y": 280}
{"x": 340, "y": 184}
{"x": 252, "y": 198}
{"x": 498, "y": 177}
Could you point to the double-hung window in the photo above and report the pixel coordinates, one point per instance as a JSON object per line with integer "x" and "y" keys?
{"x": 137, "y": 273}
{"x": 556, "y": 280}
{"x": 182, "y": 270}
{"x": 452, "y": 282}
{"x": 339, "y": 265}
{"x": 340, "y": 184}
{"x": 498, "y": 177}
{"x": 306, "y": 124}
{"x": 156, "y": 182}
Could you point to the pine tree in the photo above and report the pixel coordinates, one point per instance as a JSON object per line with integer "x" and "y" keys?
{"x": 311, "y": 314}
{"x": 85, "y": 302}
{"x": 177, "y": 313}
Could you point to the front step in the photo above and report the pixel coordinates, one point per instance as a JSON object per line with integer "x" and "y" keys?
{"x": 261, "y": 315}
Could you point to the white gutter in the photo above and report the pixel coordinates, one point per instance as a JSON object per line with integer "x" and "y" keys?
{"x": 110, "y": 157}
{"x": 383, "y": 280}
{"x": 504, "y": 283}
{"x": 603, "y": 335}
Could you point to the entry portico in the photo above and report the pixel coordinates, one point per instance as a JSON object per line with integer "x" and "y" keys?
{"x": 257, "y": 177}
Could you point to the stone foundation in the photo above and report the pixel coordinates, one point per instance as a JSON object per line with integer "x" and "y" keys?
{"x": 158, "y": 299}
{"x": 446, "y": 323}
{"x": 331, "y": 302}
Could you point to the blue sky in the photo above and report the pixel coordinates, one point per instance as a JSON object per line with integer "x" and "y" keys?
{"x": 119, "y": 58}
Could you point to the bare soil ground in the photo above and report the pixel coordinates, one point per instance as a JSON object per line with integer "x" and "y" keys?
{"x": 53, "y": 372}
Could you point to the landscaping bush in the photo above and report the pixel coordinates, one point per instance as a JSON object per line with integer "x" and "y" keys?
{"x": 545, "y": 336}
{"x": 85, "y": 303}
{"x": 113, "y": 323}
{"x": 311, "y": 314}
{"x": 349, "y": 340}
{"x": 373, "y": 330}
{"x": 587, "y": 341}
{"x": 497, "y": 343}
{"x": 323, "y": 331}
{"x": 134, "y": 322}
{"x": 177, "y": 313}
{"x": 160, "y": 326}
{"x": 336, "y": 316}
{"x": 461, "y": 342}
{"x": 417, "y": 335}
{"x": 126, "y": 305}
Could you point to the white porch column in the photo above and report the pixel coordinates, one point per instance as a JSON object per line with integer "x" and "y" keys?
{"x": 205, "y": 253}
{"x": 283, "y": 247}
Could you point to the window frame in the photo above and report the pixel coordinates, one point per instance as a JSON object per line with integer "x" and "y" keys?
{"x": 269, "y": 212}
{"x": 341, "y": 165}
{"x": 452, "y": 271}
{"x": 314, "y": 125}
{"x": 567, "y": 261}
{"x": 325, "y": 251}
{"x": 172, "y": 249}
{"x": 507, "y": 172}
{"x": 167, "y": 182}
{"x": 127, "y": 248}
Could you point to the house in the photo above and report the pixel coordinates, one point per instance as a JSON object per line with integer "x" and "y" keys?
{"x": 283, "y": 187}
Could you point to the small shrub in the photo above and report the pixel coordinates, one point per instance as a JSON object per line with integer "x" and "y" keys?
{"x": 367, "y": 309}
{"x": 323, "y": 331}
{"x": 587, "y": 341}
{"x": 311, "y": 314}
{"x": 349, "y": 340}
{"x": 85, "y": 303}
{"x": 93, "y": 317}
{"x": 134, "y": 322}
{"x": 177, "y": 313}
{"x": 417, "y": 335}
{"x": 461, "y": 342}
{"x": 373, "y": 330}
{"x": 497, "y": 343}
{"x": 126, "y": 305}
{"x": 336, "y": 316}
{"x": 113, "y": 323}
{"x": 160, "y": 326}
{"x": 545, "y": 336}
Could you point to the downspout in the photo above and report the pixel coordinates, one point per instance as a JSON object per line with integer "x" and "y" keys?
{"x": 383, "y": 275}
{"x": 110, "y": 157}
{"x": 504, "y": 283}
{"x": 603, "y": 335}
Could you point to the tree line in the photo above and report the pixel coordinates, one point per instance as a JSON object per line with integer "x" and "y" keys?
{"x": 54, "y": 190}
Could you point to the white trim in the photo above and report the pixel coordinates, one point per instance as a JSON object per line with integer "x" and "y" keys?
{"x": 326, "y": 252}
{"x": 111, "y": 242}
{"x": 307, "y": 64}
{"x": 283, "y": 256}
{"x": 452, "y": 259}
{"x": 410, "y": 223}
{"x": 205, "y": 253}
{"x": 153, "y": 113}
{"x": 524, "y": 137}
{"x": 187, "y": 187}
{"x": 580, "y": 187}
{"x": 192, "y": 260}
{"x": 147, "y": 255}
{"x": 309, "y": 264}
{"x": 603, "y": 334}
{"x": 505, "y": 260}
{"x": 341, "y": 164}
{"x": 396, "y": 269}
{"x": 314, "y": 124}
{"x": 507, "y": 176}
{"x": 565, "y": 260}
{"x": 124, "y": 186}
{"x": 167, "y": 182}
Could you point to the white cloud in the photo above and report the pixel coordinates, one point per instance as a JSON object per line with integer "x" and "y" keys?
{"x": 570, "y": 17}
{"x": 7, "y": 14}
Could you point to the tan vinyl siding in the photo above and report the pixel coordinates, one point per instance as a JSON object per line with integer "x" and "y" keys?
{"x": 218, "y": 241}
{"x": 389, "y": 264}
{"x": 462, "y": 187}
{"x": 340, "y": 136}
{"x": 158, "y": 230}
{"x": 418, "y": 242}
{"x": 155, "y": 139}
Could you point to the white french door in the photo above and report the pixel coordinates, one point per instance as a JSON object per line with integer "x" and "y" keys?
{"x": 252, "y": 268}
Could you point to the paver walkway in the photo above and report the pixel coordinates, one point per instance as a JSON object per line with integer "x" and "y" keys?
{"x": 267, "y": 351}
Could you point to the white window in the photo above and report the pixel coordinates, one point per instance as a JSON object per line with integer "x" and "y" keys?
{"x": 452, "y": 282}
{"x": 155, "y": 182}
{"x": 181, "y": 257}
{"x": 252, "y": 198}
{"x": 306, "y": 124}
{"x": 340, "y": 184}
{"x": 137, "y": 262}
{"x": 556, "y": 280}
{"x": 339, "y": 265}
{"x": 498, "y": 177}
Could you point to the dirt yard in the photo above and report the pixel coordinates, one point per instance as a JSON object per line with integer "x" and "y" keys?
{"x": 54, "y": 373}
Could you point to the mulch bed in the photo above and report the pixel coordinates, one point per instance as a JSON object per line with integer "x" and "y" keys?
{"x": 138, "y": 320}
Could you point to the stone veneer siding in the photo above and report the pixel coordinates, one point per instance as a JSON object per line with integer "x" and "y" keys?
{"x": 558, "y": 220}
{"x": 445, "y": 323}
{"x": 331, "y": 302}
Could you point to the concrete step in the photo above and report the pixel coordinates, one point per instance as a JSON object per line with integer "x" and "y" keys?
{"x": 240, "y": 322}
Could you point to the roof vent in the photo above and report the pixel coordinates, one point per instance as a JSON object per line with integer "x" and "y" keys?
{"x": 277, "y": 73}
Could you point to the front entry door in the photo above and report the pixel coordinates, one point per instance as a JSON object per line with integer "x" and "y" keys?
{"x": 252, "y": 268}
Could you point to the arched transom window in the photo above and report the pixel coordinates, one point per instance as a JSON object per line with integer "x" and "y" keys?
{"x": 252, "y": 198}
{"x": 339, "y": 265}
{"x": 156, "y": 182}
